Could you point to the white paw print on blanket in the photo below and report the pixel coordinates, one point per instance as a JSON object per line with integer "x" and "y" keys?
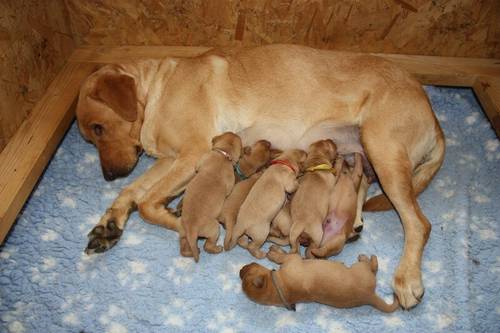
{"x": 225, "y": 322}
{"x": 134, "y": 275}
{"x": 12, "y": 318}
{"x": 178, "y": 312}
{"x": 181, "y": 271}
{"x": 108, "y": 320}
{"x": 230, "y": 279}
{"x": 323, "y": 320}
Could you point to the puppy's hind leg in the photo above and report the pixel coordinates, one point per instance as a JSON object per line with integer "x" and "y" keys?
{"x": 259, "y": 235}
{"x": 295, "y": 231}
{"x": 315, "y": 233}
{"x": 212, "y": 234}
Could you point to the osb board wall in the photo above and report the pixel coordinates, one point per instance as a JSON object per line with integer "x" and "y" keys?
{"x": 429, "y": 27}
{"x": 35, "y": 40}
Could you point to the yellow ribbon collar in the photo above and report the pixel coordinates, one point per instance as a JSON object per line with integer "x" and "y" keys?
{"x": 322, "y": 167}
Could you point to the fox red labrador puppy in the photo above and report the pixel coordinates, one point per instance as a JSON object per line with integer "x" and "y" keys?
{"x": 288, "y": 95}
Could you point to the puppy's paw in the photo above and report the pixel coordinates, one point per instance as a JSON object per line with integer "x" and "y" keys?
{"x": 103, "y": 237}
{"x": 213, "y": 248}
{"x": 276, "y": 248}
{"x": 363, "y": 257}
{"x": 408, "y": 286}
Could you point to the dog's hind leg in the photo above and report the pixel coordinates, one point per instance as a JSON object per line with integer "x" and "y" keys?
{"x": 212, "y": 234}
{"x": 390, "y": 158}
{"x": 258, "y": 234}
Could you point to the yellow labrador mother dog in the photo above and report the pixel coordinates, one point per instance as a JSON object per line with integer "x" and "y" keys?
{"x": 288, "y": 95}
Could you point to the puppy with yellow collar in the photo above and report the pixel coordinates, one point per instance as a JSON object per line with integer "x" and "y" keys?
{"x": 310, "y": 204}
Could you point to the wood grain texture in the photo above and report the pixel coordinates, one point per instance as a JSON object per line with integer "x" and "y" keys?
{"x": 451, "y": 71}
{"x": 423, "y": 27}
{"x": 487, "y": 90}
{"x": 35, "y": 41}
{"x": 28, "y": 152}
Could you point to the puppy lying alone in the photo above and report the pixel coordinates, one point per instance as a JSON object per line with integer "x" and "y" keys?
{"x": 254, "y": 158}
{"x": 206, "y": 192}
{"x": 265, "y": 199}
{"x": 314, "y": 280}
{"x": 338, "y": 227}
{"x": 310, "y": 204}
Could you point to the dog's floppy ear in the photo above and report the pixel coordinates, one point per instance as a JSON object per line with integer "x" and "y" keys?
{"x": 118, "y": 91}
{"x": 259, "y": 281}
{"x": 275, "y": 153}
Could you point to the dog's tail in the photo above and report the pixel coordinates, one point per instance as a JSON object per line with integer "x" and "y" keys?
{"x": 192, "y": 239}
{"x": 379, "y": 304}
{"x": 422, "y": 175}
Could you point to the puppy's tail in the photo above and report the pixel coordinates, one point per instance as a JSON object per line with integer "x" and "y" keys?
{"x": 379, "y": 304}
{"x": 422, "y": 175}
{"x": 192, "y": 239}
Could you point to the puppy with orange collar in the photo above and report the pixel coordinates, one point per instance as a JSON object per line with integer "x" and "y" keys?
{"x": 265, "y": 199}
{"x": 314, "y": 280}
{"x": 206, "y": 192}
{"x": 310, "y": 204}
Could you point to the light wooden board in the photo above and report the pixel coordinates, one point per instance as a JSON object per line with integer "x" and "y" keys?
{"x": 487, "y": 90}
{"x": 30, "y": 149}
{"x": 429, "y": 70}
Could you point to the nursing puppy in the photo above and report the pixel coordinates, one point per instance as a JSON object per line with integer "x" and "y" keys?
{"x": 265, "y": 199}
{"x": 253, "y": 159}
{"x": 313, "y": 280}
{"x": 206, "y": 192}
{"x": 280, "y": 226}
{"x": 310, "y": 204}
{"x": 338, "y": 227}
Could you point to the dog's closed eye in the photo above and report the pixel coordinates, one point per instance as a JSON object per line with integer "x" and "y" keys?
{"x": 97, "y": 129}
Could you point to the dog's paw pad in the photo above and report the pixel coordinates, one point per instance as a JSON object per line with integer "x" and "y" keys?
{"x": 103, "y": 238}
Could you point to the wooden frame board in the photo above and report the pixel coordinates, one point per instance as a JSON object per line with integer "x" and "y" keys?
{"x": 29, "y": 151}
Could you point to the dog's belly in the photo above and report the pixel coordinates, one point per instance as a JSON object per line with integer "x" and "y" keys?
{"x": 290, "y": 135}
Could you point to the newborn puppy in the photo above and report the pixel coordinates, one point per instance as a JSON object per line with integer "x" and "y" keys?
{"x": 314, "y": 280}
{"x": 206, "y": 192}
{"x": 265, "y": 199}
{"x": 310, "y": 204}
{"x": 338, "y": 226}
{"x": 253, "y": 159}
{"x": 280, "y": 226}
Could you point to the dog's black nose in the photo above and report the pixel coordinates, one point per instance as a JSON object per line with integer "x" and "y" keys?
{"x": 108, "y": 175}
{"x": 138, "y": 150}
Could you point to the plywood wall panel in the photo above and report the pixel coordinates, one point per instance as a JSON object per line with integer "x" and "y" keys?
{"x": 35, "y": 41}
{"x": 427, "y": 27}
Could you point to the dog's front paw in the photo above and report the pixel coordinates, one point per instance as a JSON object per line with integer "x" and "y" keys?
{"x": 103, "y": 237}
{"x": 408, "y": 286}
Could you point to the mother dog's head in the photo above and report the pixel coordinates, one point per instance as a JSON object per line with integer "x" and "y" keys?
{"x": 107, "y": 113}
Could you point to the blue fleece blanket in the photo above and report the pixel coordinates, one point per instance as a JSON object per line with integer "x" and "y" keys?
{"x": 47, "y": 283}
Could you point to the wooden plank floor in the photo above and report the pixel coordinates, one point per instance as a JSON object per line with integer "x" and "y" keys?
{"x": 27, "y": 154}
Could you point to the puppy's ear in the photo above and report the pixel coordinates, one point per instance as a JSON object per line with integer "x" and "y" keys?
{"x": 215, "y": 139}
{"x": 259, "y": 281}
{"x": 118, "y": 91}
{"x": 275, "y": 153}
{"x": 247, "y": 150}
{"x": 302, "y": 156}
